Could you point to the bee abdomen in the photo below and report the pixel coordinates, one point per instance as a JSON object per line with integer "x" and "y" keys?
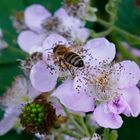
{"x": 74, "y": 59}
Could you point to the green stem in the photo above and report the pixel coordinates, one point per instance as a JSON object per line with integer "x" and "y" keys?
{"x": 130, "y": 37}
{"x": 123, "y": 50}
{"x": 101, "y": 34}
{"x": 73, "y": 121}
{"x": 72, "y": 134}
{"x": 84, "y": 125}
{"x": 90, "y": 126}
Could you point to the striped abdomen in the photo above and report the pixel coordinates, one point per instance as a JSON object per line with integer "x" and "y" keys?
{"x": 74, "y": 59}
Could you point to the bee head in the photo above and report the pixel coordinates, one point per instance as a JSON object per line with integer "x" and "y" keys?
{"x": 58, "y": 47}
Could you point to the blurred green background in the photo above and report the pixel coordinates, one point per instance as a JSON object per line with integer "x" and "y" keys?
{"x": 128, "y": 19}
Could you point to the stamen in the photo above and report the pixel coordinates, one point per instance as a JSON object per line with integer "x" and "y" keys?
{"x": 100, "y": 82}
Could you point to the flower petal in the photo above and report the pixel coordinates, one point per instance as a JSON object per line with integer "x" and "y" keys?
{"x": 117, "y": 106}
{"x": 52, "y": 40}
{"x": 132, "y": 97}
{"x": 67, "y": 22}
{"x": 8, "y": 121}
{"x": 128, "y": 74}
{"x": 32, "y": 92}
{"x": 80, "y": 84}
{"x": 42, "y": 77}
{"x": 80, "y": 34}
{"x": 73, "y": 100}
{"x": 28, "y": 39}
{"x": 35, "y": 15}
{"x": 99, "y": 50}
{"x": 106, "y": 119}
{"x": 56, "y": 104}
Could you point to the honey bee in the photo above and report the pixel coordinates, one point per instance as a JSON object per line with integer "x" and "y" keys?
{"x": 63, "y": 54}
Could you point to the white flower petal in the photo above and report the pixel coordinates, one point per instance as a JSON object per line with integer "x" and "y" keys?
{"x": 42, "y": 77}
{"x": 80, "y": 34}
{"x": 132, "y": 97}
{"x": 35, "y": 15}
{"x": 99, "y": 50}
{"x": 8, "y": 121}
{"x": 80, "y": 84}
{"x": 107, "y": 119}
{"x": 67, "y": 22}
{"x": 52, "y": 40}
{"x": 127, "y": 73}
{"x": 33, "y": 93}
{"x": 73, "y": 100}
{"x": 117, "y": 106}
{"x": 28, "y": 39}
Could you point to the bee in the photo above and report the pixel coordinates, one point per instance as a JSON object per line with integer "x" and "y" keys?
{"x": 63, "y": 54}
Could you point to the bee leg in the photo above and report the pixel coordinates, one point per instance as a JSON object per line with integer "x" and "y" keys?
{"x": 72, "y": 73}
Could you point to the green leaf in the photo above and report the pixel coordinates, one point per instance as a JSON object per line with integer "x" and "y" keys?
{"x": 7, "y": 74}
{"x": 129, "y": 16}
{"x": 11, "y": 55}
{"x": 51, "y": 5}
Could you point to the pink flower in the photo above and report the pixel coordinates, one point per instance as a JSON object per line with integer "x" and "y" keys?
{"x": 111, "y": 88}
{"x": 41, "y": 24}
{"x": 44, "y": 73}
{"x": 81, "y": 9}
{"x": 19, "y": 94}
{"x": 13, "y": 101}
{"x": 34, "y": 17}
{"x": 29, "y": 40}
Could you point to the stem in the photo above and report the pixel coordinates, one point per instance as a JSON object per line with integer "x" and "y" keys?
{"x": 130, "y": 37}
{"x": 84, "y": 125}
{"x": 90, "y": 126}
{"x": 101, "y": 34}
{"x": 72, "y": 134}
{"x": 73, "y": 121}
{"x": 104, "y": 23}
{"x": 124, "y": 51}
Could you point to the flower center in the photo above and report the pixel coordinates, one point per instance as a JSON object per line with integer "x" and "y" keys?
{"x": 103, "y": 85}
{"x": 38, "y": 117}
{"x": 33, "y": 113}
{"x": 102, "y": 82}
{"x": 51, "y": 23}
